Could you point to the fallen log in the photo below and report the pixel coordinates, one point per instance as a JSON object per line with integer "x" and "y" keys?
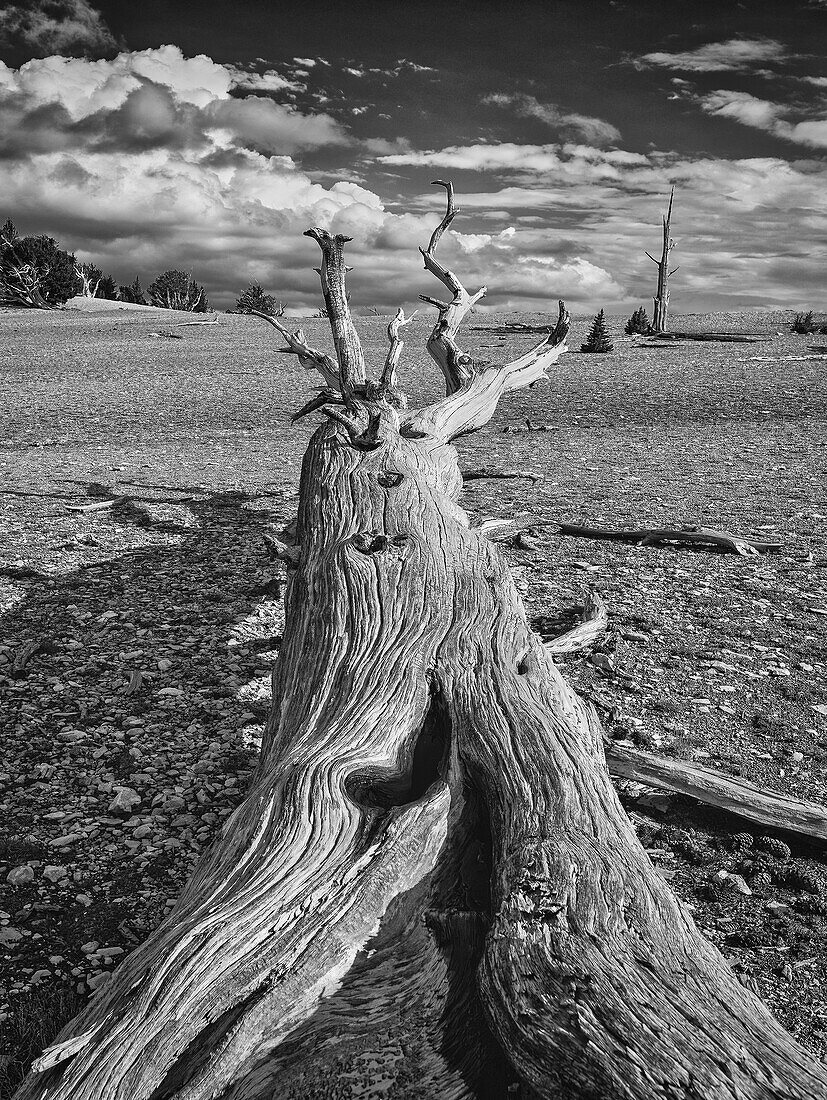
{"x": 691, "y": 536}
{"x": 783, "y": 358}
{"x": 490, "y": 472}
{"x": 718, "y": 337}
{"x": 758, "y": 806}
{"x": 95, "y": 506}
{"x": 431, "y": 888}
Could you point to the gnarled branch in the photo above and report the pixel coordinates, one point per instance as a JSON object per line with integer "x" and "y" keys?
{"x": 455, "y": 365}
{"x": 345, "y": 338}
{"x": 473, "y": 406}
{"x": 310, "y": 358}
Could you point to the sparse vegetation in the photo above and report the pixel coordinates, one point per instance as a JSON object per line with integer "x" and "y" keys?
{"x": 598, "y": 338}
{"x": 803, "y": 323}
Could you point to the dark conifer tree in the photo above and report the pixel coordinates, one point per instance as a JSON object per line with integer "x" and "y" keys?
{"x": 598, "y": 339}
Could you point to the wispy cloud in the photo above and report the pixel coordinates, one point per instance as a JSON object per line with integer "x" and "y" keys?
{"x": 762, "y": 114}
{"x": 734, "y": 55}
{"x": 594, "y": 131}
{"x": 71, "y": 27}
{"x": 248, "y": 80}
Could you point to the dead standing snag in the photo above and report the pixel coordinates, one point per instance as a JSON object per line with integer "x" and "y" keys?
{"x": 431, "y": 887}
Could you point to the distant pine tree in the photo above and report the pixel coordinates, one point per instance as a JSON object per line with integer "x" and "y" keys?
{"x": 178, "y": 290}
{"x": 9, "y": 231}
{"x": 638, "y": 323}
{"x": 598, "y": 338}
{"x": 254, "y": 298}
{"x": 107, "y": 289}
{"x": 133, "y": 293}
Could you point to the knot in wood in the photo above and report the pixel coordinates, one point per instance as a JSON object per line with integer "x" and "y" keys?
{"x": 389, "y": 479}
{"x": 375, "y": 542}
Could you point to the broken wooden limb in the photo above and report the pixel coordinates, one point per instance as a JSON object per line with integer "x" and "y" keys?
{"x": 166, "y": 335}
{"x": 136, "y": 679}
{"x": 692, "y": 536}
{"x": 25, "y": 652}
{"x": 594, "y": 623}
{"x": 95, "y": 506}
{"x": 759, "y": 806}
{"x": 491, "y": 473}
{"x": 783, "y": 358}
{"x": 457, "y": 367}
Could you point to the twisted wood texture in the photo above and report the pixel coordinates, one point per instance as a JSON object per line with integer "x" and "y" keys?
{"x": 431, "y": 889}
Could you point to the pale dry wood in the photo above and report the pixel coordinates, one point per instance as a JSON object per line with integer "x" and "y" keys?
{"x": 309, "y": 357}
{"x": 492, "y": 473}
{"x": 457, "y": 367}
{"x": 783, "y": 358}
{"x": 757, "y": 805}
{"x": 95, "y": 506}
{"x": 593, "y": 624}
{"x": 661, "y": 298}
{"x": 431, "y": 889}
{"x": 700, "y": 536}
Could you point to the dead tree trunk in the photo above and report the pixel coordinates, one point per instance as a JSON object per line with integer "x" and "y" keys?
{"x": 661, "y": 299}
{"x": 431, "y": 889}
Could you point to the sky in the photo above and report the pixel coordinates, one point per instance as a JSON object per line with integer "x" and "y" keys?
{"x": 207, "y": 137}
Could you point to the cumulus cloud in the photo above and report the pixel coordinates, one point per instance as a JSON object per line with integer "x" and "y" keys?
{"x": 762, "y": 114}
{"x": 594, "y": 131}
{"x": 154, "y": 98}
{"x": 153, "y": 160}
{"x": 734, "y": 55}
{"x": 56, "y": 27}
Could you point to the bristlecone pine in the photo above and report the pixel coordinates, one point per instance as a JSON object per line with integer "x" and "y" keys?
{"x": 598, "y": 339}
{"x": 431, "y": 890}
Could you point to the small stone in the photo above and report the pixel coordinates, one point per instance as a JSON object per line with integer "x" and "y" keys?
{"x": 40, "y": 976}
{"x": 55, "y": 873}
{"x": 65, "y": 841}
{"x": 125, "y": 798}
{"x": 84, "y": 900}
{"x": 9, "y": 935}
{"x": 19, "y": 876}
{"x": 97, "y": 980}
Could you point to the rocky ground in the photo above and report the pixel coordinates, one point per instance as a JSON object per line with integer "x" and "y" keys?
{"x": 137, "y": 639}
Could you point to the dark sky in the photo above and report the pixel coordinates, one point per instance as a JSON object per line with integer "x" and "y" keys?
{"x": 563, "y": 125}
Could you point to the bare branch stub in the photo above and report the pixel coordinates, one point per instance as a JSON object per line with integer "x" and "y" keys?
{"x": 310, "y": 358}
{"x": 345, "y": 338}
{"x": 388, "y": 378}
{"x": 456, "y": 367}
